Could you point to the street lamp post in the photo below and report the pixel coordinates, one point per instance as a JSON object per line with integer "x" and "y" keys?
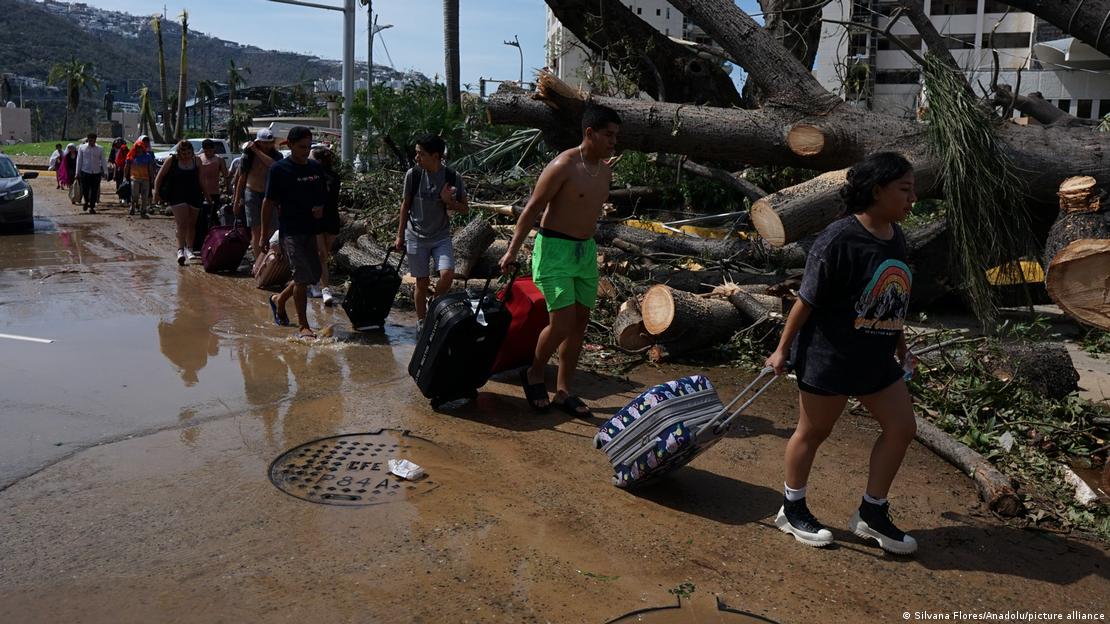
{"x": 516, "y": 44}
{"x": 348, "y": 10}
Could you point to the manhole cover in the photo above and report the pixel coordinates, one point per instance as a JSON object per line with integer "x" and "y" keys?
{"x": 352, "y": 470}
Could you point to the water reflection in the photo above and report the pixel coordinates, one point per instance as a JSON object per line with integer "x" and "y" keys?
{"x": 187, "y": 340}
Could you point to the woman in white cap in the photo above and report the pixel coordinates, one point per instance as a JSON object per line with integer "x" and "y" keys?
{"x": 251, "y": 187}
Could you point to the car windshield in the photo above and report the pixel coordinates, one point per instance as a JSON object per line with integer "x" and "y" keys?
{"x": 7, "y": 169}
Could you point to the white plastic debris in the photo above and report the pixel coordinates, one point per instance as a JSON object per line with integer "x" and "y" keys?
{"x": 405, "y": 469}
{"x": 1006, "y": 441}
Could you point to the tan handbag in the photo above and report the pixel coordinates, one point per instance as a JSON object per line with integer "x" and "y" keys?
{"x": 271, "y": 269}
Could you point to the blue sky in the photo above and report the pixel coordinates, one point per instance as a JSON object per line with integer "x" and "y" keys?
{"x": 415, "y": 41}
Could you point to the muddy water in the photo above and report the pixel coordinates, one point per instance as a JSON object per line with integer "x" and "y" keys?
{"x": 141, "y": 344}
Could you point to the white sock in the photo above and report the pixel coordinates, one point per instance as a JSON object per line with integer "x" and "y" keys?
{"x": 874, "y": 501}
{"x": 794, "y": 495}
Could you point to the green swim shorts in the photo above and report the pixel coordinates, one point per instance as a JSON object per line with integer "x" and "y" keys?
{"x": 565, "y": 271}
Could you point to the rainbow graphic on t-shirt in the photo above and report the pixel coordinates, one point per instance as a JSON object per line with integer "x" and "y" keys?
{"x": 882, "y": 304}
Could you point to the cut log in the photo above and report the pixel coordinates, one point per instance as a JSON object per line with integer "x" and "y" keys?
{"x": 929, "y": 259}
{"x": 637, "y": 197}
{"x": 1077, "y": 255}
{"x": 628, "y": 328}
{"x": 807, "y": 140}
{"x": 1043, "y": 367}
{"x": 487, "y": 264}
{"x": 469, "y": 243}
{"x": 804, "y": 209}
{"x": 995, "y": 488}
{"x": 676, "y": 316}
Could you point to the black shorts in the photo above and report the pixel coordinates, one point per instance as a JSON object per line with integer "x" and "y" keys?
{"x": 304, "y": 260}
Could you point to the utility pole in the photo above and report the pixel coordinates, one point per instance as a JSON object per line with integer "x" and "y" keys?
{"x": 348, "y": 9}
{"x": 516, "y": 44}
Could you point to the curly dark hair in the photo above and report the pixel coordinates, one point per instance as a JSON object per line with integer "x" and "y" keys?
{"x": 878, "y": 169}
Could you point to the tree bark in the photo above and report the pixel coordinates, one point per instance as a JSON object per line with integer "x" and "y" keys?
{"x": 663, "y": 69}
{"x": 1035, "y": 106}
{"x": 470, "y": 243}
{"x": 451, "y": 51}
{"x": 1086, "y": 20}
{"x": 628, "y": 328}
{"x": 1043, "y": 367}
{"x": 995, "y": 488}
{"x": 691, "y": 246}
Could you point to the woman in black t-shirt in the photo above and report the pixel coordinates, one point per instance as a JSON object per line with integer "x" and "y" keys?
{"x": 844, "y": 338}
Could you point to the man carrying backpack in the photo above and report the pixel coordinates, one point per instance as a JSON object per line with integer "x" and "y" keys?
{"x": 431, "y": 190}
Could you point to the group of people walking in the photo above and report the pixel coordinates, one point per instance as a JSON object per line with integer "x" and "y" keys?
{"x": 843, "y": 336}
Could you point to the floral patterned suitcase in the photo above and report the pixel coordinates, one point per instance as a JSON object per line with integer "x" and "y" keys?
{"x": 668, "y": 425}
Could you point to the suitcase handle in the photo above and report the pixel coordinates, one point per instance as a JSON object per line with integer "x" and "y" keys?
{"x": 720, "y": 422}
{"x": 508, "y": 290}
{"x": 385, "y": 261}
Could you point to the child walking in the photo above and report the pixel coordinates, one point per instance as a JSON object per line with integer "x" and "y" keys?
{"x": 844, "y": 338}
{"x": 431, "y": 191}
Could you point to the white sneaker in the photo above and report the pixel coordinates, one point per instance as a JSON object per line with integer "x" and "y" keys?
{"x": 181, "y": 257}
{"x": 189, "y": 255}
{"x": 314, "y": 291}
{"x": 329, "y": 299}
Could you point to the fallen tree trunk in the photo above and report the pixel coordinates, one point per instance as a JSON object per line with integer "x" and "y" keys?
{"x": 487, "y": 264}
{"x": 995, "y": 488}
{"x": 1077, "y": 254}
{"x": 929, "y": 259}
{"x": 691, "y": 246}
{"x": 470, "y": 243}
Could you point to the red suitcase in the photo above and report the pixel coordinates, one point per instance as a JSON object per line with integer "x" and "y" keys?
{"x": 224, "y": 248}
{"x": 529, "y": 313}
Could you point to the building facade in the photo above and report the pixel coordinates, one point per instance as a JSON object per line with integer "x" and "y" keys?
{"x": 870, "y": 70}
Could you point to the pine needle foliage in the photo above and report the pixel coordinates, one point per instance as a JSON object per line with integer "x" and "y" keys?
{"x": 987, "y": 212}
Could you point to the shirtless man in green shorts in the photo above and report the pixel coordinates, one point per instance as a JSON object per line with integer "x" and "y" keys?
{"x": 569, "y": 193}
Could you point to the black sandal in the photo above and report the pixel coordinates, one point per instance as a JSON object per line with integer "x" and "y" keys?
{"x": 572, "y": 406}
{"x": 534, "y": 392}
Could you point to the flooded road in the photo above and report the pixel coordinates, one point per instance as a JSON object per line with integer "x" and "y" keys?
{"x": 141, "y": 344}
{"x": 140, "y": 449}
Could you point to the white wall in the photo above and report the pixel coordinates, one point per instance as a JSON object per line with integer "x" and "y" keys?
{"x": 15, "y": 125}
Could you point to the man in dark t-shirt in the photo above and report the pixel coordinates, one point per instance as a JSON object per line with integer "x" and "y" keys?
{"x": 297, "y": 189}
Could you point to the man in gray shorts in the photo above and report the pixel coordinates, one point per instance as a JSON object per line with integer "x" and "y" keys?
{"x": 431, "y": 190}
{"x": 296, "y": 189}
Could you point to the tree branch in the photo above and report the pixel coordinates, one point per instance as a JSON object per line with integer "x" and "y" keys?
{"x": 1086, "y": 20}
{"x": 784, "y": 80}
{"x": 660, "y": 67}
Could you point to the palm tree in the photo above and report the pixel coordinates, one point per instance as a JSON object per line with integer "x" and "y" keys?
{"x": 205, "y": 93}
{"x": 451, "y": 50}
{"x": 156, "y": 26}
{"x": 182, "y": 81}
{"x": 146, "y": 116}
{"x": 77, "y": 77}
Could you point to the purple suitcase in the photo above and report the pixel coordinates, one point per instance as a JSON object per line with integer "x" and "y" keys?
{"x": 224, "y": 248}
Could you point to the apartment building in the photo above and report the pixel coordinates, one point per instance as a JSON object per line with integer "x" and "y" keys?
{"x": 572, "y": 62}
{"x": 870, "y": 70}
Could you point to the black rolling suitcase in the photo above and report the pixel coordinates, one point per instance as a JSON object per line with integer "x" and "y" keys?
{"x": 458, "y": 344}
{"x": 204, "y": 223}
{"x": 371, "y": 294}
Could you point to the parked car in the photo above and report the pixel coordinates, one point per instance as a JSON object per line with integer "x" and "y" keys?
{"x": 223, "y": 150}
{"x": 17, "y": 200}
